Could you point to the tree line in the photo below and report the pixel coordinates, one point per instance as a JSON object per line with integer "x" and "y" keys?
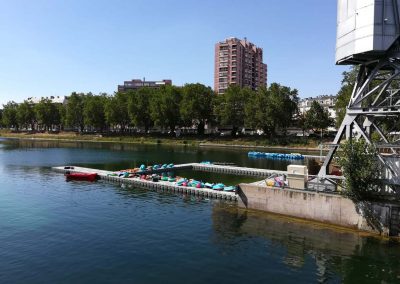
{"x": 271, "y": 109}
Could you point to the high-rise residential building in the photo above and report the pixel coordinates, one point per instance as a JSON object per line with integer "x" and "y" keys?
{"x": 137, "y": 84}
{"x": 238, "y": 62}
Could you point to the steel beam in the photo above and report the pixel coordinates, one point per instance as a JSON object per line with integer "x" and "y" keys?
{"x": 369, "y": 102}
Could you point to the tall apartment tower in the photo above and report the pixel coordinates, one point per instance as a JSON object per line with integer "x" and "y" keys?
{"x": 238, "y": 62}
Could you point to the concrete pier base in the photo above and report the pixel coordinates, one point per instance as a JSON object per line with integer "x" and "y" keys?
{"x": 334, "y": 209}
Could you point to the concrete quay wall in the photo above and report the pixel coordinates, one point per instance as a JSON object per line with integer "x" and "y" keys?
{"x": 378, "y": 218}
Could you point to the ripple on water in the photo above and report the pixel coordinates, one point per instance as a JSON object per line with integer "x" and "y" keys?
{"x": 75, "y": 232}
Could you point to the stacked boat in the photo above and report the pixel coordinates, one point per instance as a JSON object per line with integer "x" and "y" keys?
{"x": 200, "y": 184}
{"x": 276, "y": 181}
{"x": 143, "y": 169}
{"x": 150, "y": 173}
{"x": 275, "y": 156}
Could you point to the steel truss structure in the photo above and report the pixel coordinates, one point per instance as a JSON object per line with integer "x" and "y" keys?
{"x": 376, "y": 96}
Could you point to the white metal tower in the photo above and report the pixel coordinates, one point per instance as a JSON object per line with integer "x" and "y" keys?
{"x": 368, "y": 35}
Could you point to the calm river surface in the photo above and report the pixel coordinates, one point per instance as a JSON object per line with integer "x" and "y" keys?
{"x": 53, "y": 231}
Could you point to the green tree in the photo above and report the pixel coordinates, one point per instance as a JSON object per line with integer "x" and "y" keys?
{"x": 116, "y": 111}
{"x": 229, "y": 107}
{"x": 74, "y": 111}
{"x": 93, "y": 111}
{"x": 47, "y": 113}
{"x": 62, "y": 110}
{"x": 282, "y": 103}
{"x": 197, "y": 105}
{"x": 257, "y": 111}
{"x": 139, "y": 107}
{"x": 317, "y": 118}
{"x": 344, "y": 94}
{"x": 26, "y": 115}
{"x": 10, "y": 115}
{"x": 301, "y": 122}
{"x": 165, "y": 107}
{"x": 272, "y": 108}
{"x": 361, "y": 168}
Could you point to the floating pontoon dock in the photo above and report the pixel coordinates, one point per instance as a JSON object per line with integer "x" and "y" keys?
{"x": 148, "y": 184}
{"x": 168, "y": 186}
{"x": 233, "y": 170}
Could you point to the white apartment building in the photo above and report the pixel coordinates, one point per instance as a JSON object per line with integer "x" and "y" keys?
{"x": 327, "y": 101}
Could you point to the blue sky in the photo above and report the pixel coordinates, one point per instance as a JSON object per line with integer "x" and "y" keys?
{"x": 54, "y": 47}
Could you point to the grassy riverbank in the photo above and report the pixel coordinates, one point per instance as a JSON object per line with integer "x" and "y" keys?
{"x": 295, "y": 143}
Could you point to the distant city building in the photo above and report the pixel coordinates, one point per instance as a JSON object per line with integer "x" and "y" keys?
{"x": 53, "y": 99}
{"x": 137, "y": 84}
{"x": 238, "y": 62}
{"x": 327, "y": 102}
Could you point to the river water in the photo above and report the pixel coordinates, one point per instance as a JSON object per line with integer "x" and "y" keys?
{"x": 53, "y": 231}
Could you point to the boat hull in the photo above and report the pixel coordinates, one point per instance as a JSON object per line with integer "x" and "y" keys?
{"x": 81, "y": 176}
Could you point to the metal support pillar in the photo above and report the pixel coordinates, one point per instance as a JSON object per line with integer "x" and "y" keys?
{"x": 375, "y": 96}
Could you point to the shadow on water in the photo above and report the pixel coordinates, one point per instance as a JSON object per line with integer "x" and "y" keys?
{"x": 354, "y": 257}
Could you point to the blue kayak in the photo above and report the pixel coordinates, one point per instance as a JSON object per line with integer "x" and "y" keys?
{"x": 208, "y": 185}
{"x": 218, "y": 186}
{"x": 229, "y": 188}
{"x": 181, "y": 181}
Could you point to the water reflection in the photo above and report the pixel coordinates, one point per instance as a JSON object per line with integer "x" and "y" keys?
{"x": 114, "y": 156}
{"x": 352, "y": 257}
{"x": 72, "y": 229}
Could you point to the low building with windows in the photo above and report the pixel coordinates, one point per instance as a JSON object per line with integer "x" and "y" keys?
{"x": 54, "y": 99}
{"x": 328, "y": 102}
{"x": 138, "y": 83}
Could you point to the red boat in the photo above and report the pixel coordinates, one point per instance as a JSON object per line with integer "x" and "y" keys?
{"x": 81, "y": 176}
